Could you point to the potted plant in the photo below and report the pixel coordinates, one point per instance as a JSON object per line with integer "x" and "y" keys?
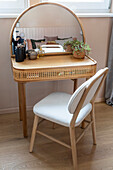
{"x": 80, "y": 49}
{"x": 68, "y": 46}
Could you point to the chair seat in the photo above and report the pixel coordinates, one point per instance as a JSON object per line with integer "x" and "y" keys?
{"x": 54, "y": 108}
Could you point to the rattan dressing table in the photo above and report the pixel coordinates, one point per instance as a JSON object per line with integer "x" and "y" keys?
{"x": 57, "y": 66}
{"x": 48, "y": 68}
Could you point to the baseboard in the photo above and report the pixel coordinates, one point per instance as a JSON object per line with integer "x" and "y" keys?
{"x": 14, "y": 110}
{"x": 29, "y": 108}
{"x": 99, "y": 100}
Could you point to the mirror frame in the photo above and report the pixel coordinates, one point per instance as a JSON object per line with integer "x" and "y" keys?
{"x": 38, "y": 4}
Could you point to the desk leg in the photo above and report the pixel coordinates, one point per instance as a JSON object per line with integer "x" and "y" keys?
{"x": 22, "y": 106}
{"x": 19, "y": 99}
{"x": 75, "y": 85}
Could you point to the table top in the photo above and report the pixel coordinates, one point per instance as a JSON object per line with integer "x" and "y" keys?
{"x": 47, "y": 62}
{"x": 53, "y": 67}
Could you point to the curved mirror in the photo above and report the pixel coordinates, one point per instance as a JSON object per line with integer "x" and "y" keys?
{"x": 46, "y": 26}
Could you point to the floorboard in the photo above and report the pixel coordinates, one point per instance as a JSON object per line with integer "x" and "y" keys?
{"x": 47, "y": 155}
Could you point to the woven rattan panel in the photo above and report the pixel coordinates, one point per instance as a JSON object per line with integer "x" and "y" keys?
{"x": 52, "y": 74}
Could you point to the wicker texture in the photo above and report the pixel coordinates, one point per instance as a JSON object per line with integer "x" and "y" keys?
{"x": 52, "y": 74}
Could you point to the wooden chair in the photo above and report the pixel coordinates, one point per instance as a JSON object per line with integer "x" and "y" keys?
{"x": 69, "y": 111}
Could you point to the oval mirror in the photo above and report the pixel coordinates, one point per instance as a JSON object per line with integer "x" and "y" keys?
{"x": 47, "y": 26}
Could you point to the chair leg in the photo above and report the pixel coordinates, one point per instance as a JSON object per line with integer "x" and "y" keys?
{"x": 53, "y": 126}
{"x": 73, "y": 147}
{"x": 93, "y": 125}
{"x": 33, "y": 133}
{"x": 83, "y": 125}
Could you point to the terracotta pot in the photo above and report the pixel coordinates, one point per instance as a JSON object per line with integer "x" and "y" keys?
{"x": 69, "y": 48}
{"x": 80, "y": 55}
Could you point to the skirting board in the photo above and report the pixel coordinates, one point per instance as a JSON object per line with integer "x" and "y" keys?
{"x": 99, "y": 100}
{"x": 29, "y": 108}
{"x": 14, "y": 110}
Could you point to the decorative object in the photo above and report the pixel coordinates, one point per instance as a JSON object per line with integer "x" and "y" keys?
{"x": 51, "y": 42}
{"x": 34, "y": 41}
{"x": 79, "y": 55}
{"x": 64, "y": 38}
{"x": 79, "y": 48}
{"x": 47, "y": 38}
{"x": 68, "y": 46}
{"x": 29, "y": 44}
{"x": 40, "y": 52}
{"x": 32, "y": 55}
{"x": 20, "y": 53}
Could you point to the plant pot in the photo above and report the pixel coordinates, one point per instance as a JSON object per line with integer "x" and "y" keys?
{"x": 79, "y": 55}
{"x": 69, "y": 48}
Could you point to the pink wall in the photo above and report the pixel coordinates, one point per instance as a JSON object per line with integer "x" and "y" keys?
{"x": 8, "y": 87}
{"x": 97, "y": 31}
{"x": 32, "y": 2}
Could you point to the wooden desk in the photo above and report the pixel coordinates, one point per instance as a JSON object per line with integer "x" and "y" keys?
{"x": 59, "y": 67}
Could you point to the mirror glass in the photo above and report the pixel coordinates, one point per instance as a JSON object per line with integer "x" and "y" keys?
{"x": 47, "y": 26}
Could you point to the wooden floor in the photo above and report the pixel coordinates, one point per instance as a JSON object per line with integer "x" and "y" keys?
{"x": 47, "y": 155}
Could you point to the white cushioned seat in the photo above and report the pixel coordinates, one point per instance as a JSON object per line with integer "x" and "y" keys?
{"x": 54, "y": 108}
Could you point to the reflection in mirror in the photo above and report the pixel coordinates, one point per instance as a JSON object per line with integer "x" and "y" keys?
{"x": 46, "y": 27}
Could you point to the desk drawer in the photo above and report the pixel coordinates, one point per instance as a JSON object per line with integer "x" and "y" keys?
{"x": 53, "y": 74}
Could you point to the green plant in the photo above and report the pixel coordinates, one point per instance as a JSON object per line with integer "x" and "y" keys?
{"x": 80, "y": 46}
{"x": 67, "y": 43}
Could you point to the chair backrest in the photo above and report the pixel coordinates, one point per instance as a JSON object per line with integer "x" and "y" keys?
{"x": 87, "y": 92}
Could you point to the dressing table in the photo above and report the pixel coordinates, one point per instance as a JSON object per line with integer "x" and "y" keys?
{"x": 52, "y": 66}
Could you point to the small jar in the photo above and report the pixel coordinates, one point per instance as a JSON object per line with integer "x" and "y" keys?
{"x": 32, "y": 55}
{"x": 20, "y": 54}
